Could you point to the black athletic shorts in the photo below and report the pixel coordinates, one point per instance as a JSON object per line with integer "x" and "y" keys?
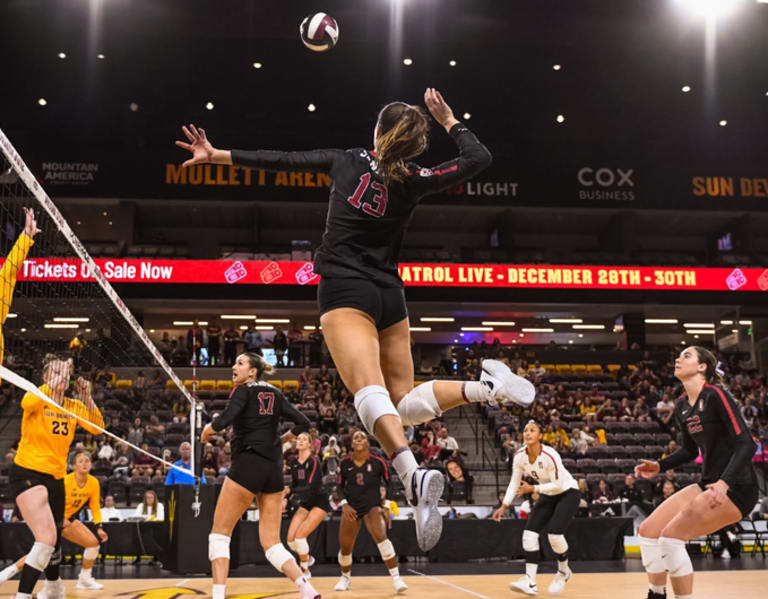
{"x": 363, "y": 509}
{"x": 314, "y": 501}
{"x": 256, "y": 473}
{"x": 386, "y": 305}
{"x": 744, "y": 497}
{"x": 554, "y": 512}
{"x": 21, "y": 479}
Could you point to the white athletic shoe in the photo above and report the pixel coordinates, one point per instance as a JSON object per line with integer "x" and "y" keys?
{"x": 7, "y": 573}
{"x": 426, "y": 489}
{"x": 88, "y": 583}
{"x": 400, "y": 586}
{"x": 305, "y": 571}
{"x": 505, "y": 386}
{"x": 307, "y": 591}
{"x": 558, "y": 584}
{"x": 53, "y": 590}
{"x": 344, "y": 583}
{"x": 523, "y": 585}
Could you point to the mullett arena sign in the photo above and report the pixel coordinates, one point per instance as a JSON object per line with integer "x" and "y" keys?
{"x": 264, "y": 272}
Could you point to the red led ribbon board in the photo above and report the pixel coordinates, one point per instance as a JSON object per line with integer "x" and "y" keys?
{"x": 262, "y": 272}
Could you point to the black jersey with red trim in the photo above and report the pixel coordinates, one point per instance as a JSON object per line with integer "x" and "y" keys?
{"x": 359, "y": 485}
{"x": 254, "y": 411}
{"x": 714, "y": 426}
{"x": 367, "y": 219}
{"x": 307, "y": 477}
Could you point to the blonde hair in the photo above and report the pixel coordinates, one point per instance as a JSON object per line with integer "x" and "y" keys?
{"x": 404, "y": 134}
{"x": 260, "y": 364}
{"x": 144, "y": 502}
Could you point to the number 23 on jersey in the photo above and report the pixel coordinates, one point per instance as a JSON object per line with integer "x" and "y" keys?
{"x": 375, "y": 205}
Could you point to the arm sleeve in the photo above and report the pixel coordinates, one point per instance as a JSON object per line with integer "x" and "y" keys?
{"x": 473, "y": 158}
{"x": 556, "y": 484}
{"x": 288, "y": 412}
{"x": 236, "y": 405}
{"x": 10, "y": 271}
{"x": 687, "y": 451}
{"x": 94, "y": 503}
{"x": 320, "y": 161}
{"x": 744, "y": 447}
{"x": 517, "y": 475}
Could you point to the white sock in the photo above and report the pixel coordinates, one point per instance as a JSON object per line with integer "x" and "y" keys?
{"x": 656, "y": 588}
{"x": 475, "y": 391}
{"x": 563, "y": 566}
{"x": 301, "y": 582}
{"x": 394, "y": 572}
{"x": 9, "y": 572}
{"x": 304, "y": 565}
{"x": 85, "y": 572}
{"x": 683, "y": 596}
{"x": 23, "y": 596}
{"x": 530, "y": 570}
{"x": 405, "y": 465}
{"x": 219, "y": 591}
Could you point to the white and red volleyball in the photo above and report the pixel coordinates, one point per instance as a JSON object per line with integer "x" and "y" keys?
{"x": 319, "y": 32}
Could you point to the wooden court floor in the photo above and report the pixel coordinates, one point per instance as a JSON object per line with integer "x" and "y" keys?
{"x": 741, "y": 584}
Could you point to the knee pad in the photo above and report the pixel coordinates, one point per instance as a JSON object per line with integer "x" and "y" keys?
{"x": 650, "y": 553}
{"x": 218, "y": 546}
{"x": 373, "y": 402}
{"x": 344, "y": 560}
{"x": 419, "y": 405}
{"x": 292, "y": 546}
{"x": 91, "y": 552}
{"x": 39, "y": 556}
{"x": 530, "y": 540}
{"x": 386, "y": 549}
{"x": 277, "y": 555}
{"x": 676, "y": 558}
{"x": 558, "y": 543}
{"x": 302, "y": 547}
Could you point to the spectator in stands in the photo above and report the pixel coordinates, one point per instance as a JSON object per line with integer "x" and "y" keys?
{"x": 253, "y": 340}
{"x": 136, "y": 433}
{"x": 585, "y": 498}
{"x": 625, "y": 411}
{"x": 214, "y": 343}
{"x": 580, "y": 441}
{"x": 224, "y": 459}
{"x": 154, "y": 432}
{"x": 665, "y": 408}
{"x": 538, "y": 370}
{"x": 209, "y": 462}
{"x": 122, "y": 460}
{"x": 105, "y": 377}
{"x": 306, "y": 377}
{"x": 106, "y": 451}
{"x": 429, "y": 447}
{"x": 448, "y": 445}
{"x": 668, "y": 489}
{"x": 109, "y": 513}
{"x": 295, "y": 336}
{"x": 640, "y": 411}
{"x": 76, "y": 347}
{"x": 761, "y": 513}
{"x": 347, "y": 418}
{"x": 180, "y": 408}
{"x": 231, "y": 337}
{"x": 176, "y": 477}
{"x": 280, "y": 343}
{"x": 588, "y": 410}
{"x": 330, "y": 454}
{"x": 459, "y": 482}
{"x": 143, "y": 464}
{"x": 140, "y": 382}
{"x": 669, "y": 477}
{"x": 671, "y": 448}
{"x": 150, "y": 509}
{"x": 164, "y": 345}
{"x": 603, "y": 493}
{"x": 196, "y": 341}
{"x": 606, "y": 412}
{"x": 327, "y": 419}
{"x": 89, "y": 444}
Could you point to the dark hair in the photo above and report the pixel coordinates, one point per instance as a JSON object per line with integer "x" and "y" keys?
{"x": 533, "y": 421}
{"x": 707, "y": 357}
{"x": 404, "y": 134}
{"x": 259, "y": 363}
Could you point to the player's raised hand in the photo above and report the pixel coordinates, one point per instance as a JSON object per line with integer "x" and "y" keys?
{"x": 201, "y": 148}
{"x": 646, "y": 469}
{"x": 439, "y": 108}
{"x": 30, "y": 224}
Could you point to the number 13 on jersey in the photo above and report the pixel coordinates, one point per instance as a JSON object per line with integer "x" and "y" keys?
{"x": 376, "y": 205}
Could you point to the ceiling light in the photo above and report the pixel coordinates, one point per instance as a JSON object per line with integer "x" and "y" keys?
{"x": 266, "y": 327}
{"x": 682, "y": 343}
{"x": 461, "y": 334}
{"x": 661, "y": 321}
{"x": 437, "y": 319}
{"x": 243, "y": 327}
{"x": 59, "y": 325}
{"x": 151, "y": 330}
{"x": 100, "y": 56}
{"x": 590, "y": 327}
{"x": 570, "y": 341}
{"x": 560, "y": 118}
{"x": 257, "y": 65}
{"x": 581, "y": 335}
{"x": 535, "y": 330}
{"x": 103, "y": 213}
{"x": 133, "y": 107}
{"x": 70, "y": 319}
{"x": 476, "y": 328}
{"x": 23, "y": 330}
{"x": 61, "y": 55}
{"x": 695, "y": 336}
{"x": 745, "y": 322}
{"x": 238, "y": 317}
{"x": 407, "y": 61}
{"x": 209, "y": 105}
{"x": 734, "y": 330}
{"x": 452, "y": 63}
{"x": 311, "y": 107}
{"x": 723, "y": 123}
{"x": 14, "y": 315}
{"x": 686, "y": 89}
{"x": 467, "y": 116}
{"x": 710, "y": 8}
{"x": 700, "y": 332}
{"x": 698, "y": 325}
{"x": 522, "y": 334}
{"x": 455, "y": 340}
{"x": 498, "y": 323}
{"x": 182, "y": 323}
{"x": 556, "y": 67}
{"x": 726, "y": 322}
{"x": 309, "y": 327}
{"x": 421, "y": 329}
{"x": 566, "y": 320}
{"x": 273, "y": 320}
{"x": 42, "y": 101}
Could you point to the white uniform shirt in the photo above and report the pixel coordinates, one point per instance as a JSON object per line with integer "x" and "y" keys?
{"x": 547, "y": 469}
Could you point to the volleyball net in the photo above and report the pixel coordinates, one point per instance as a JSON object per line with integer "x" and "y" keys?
{"x": 61, "y": 319}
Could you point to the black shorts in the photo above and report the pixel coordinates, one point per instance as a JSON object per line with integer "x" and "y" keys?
{"x": 744, "y": 497}
{"x": 554, "y": 512}
{"x": 362, "y": 510}
{"x": 386, "y": 305}
{"x": 21, "y": 479}
{"x": 314, "y": 501}
{"x": 256, "y": 473}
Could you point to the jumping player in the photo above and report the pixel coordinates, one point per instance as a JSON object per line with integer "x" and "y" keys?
{"x": 306, "y": 482}
{"x": 254, "y": 411}
{"x": 361, "y": 299}
{"x": 360, "y": 478}
{"x": 80, "y": 488}
{"x": 36, "y": 478}
{"x": 554, "y": 511}
{"x": 711, "y": 423}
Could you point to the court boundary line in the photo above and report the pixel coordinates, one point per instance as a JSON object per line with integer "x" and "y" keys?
{"x": 450, "y": 584}
{"x": 182, "y": 582}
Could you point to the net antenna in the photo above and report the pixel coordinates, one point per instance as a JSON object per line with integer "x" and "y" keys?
{"x": 19, "y": 171}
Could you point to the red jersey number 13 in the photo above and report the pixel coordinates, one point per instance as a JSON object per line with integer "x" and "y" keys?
{"x": 375, "y": 206}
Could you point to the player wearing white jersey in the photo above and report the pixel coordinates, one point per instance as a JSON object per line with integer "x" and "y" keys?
{"x": 538, "y": 468}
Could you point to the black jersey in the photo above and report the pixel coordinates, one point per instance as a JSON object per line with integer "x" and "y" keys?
{"x": 366, "y": 218}
{"x": 255, "y": 410}
{"x": 359, "y": 485}
{"x": 714, "y": 426}
{"x": 307, "y": 478}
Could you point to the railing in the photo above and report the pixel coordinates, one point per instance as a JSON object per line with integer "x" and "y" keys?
{"x": 483, "y": 444}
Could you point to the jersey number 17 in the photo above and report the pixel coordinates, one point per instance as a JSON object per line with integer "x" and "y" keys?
{"x": 266, "y": 403}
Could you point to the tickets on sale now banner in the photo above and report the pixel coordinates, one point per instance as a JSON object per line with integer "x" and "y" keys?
{"x": 264, "y": 272}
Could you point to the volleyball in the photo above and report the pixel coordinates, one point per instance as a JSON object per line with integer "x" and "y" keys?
{"x": 319, "y": 32}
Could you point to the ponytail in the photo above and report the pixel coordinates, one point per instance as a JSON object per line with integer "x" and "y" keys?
{"x": 260, "y": 364}
{"x": 404, "y": 131}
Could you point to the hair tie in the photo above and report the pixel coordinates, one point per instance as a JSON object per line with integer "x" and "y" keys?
{"x": 719, "y": 370}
